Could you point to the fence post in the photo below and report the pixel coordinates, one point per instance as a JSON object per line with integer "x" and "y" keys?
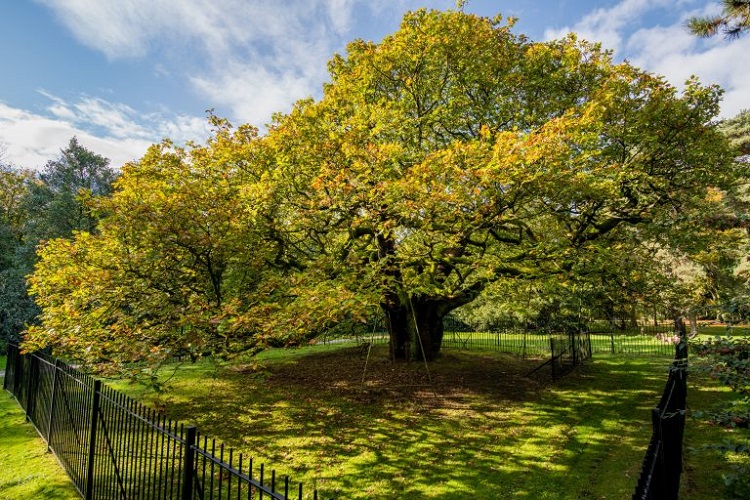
{"x": 672, "y": 456}
{"x": 92, "y": 440}
{"x": 673, "y": 424}
{"x": 17, "y": 373}
{"x": 188, "y": 464}
{"x": 52, "y": 405}
{"x": 7, "y": 367}
{"x": 658, "y": 480}
{"x": 31, "y": 386}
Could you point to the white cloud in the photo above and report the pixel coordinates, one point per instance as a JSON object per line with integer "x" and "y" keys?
{"x": 675, "y": 53}
{"x": 669, "y": 50}
{"x": 253, "y": 57}
{"x": 31, "y": 140}
{"x": 606, "y": 25}
{"x": 182, "y": 129}
{"x": 255, "y": 93}
{"x": 118, "y": 29}
{"x": 258, "y": 48}
{"x": 256, "y": 57}
{"x": 340, "y": 14}
{"x": 109, "y": 129}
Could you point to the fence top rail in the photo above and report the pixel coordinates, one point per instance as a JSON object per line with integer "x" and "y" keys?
{"x": 164, "y": 430}
{"x": 676, "y": 374}
{"x": 277, "y": 495}
{"x": 76, "y": 376}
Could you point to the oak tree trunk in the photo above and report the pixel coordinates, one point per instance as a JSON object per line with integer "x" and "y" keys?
{"x": 415, "y": 328}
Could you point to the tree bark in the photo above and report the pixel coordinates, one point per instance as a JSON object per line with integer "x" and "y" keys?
{"x": 415, "y": 328}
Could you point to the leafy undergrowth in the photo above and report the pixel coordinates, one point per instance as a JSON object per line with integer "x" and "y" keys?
{"x": 26, "y": 469}
{"x": 716, "y": 451}
{"x": 469, "y": 425}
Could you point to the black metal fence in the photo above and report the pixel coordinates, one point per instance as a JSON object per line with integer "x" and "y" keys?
{"x": 656, "y": 338}
{"x": 606, "y": 337}
{"x": 569, "y": 351}
{"x": 113, "y": 447}
{"x": 662, "y": 465}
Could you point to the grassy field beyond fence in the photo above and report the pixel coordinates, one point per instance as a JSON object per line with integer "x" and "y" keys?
{"x": 534, "y": 344}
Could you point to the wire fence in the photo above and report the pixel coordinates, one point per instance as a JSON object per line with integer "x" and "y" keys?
{"x": 114, "y": 447}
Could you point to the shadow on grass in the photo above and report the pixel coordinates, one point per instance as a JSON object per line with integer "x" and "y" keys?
{"x": 470, "y": 425}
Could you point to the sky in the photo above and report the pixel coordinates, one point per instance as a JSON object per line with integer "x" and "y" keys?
{"x": 121, "y": 75}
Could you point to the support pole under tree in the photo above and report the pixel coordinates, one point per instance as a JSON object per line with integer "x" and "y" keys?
{"x": 92, "y": 439}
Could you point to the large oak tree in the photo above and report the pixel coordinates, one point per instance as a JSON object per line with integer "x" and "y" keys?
{"x": 456, "y": 152}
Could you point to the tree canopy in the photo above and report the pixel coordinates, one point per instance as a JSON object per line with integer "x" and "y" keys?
{"x": 452, "y": 155}
{"x": 737, "y": 129}
{"x": 455, "y": 152}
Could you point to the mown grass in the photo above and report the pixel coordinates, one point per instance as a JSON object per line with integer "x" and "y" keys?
{"x": 706, "y": 464}
{"x": 476, "y": 427}
{"x": 27, "y": 471}
{"x": 355, "y": 426}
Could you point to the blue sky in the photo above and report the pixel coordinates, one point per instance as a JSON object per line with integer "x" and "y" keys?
{"x": 122, "y": 74}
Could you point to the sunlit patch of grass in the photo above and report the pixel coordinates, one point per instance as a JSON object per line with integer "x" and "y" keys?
{"x": 479, "y": 428}
{"x": 26, "y": 469}
{"x": 475, "y": 426}
{"x": 723, "y": 330}
{"x": 356, "y": 426}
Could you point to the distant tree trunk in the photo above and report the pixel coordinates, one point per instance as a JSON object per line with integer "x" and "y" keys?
{"x": 633, "y": 316}
{"x": 693, "y": 318}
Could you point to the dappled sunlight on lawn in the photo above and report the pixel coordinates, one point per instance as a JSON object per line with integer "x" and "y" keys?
{"x": 474, "y": 424}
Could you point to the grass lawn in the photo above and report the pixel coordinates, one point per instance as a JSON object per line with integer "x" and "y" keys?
{"x": 705, "y": 466}
{"x": 474, "y": 427}
{"x": 27, "y": 471}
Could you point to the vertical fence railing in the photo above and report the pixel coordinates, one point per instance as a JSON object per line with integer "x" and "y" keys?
{"x": 534, "y": 340}
{"x": 662, "y": 465}
{"x": 113, "y": 447}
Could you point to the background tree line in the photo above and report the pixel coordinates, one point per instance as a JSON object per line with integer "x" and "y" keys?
{"x": 37, "y": 206}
